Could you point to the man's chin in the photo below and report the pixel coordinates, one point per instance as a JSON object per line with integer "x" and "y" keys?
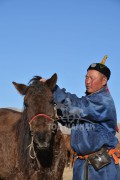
{"x": 89, "y": 90}
{"x": 87, "y": 93}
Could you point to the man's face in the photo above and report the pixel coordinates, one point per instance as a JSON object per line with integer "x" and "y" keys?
{"x": 94, "y": 81}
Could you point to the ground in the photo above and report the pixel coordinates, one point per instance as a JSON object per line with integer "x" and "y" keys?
{"x": 67, "y": 174}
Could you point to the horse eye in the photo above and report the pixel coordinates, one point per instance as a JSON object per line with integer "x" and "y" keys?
{"x": 52, "y": 101}
{"x": 25, "y": 104}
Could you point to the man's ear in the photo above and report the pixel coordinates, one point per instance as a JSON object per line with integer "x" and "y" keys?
{"x": 104, "y": 80}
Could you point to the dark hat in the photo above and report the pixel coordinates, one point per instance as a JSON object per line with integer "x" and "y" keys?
{"x": 101, "y": 67}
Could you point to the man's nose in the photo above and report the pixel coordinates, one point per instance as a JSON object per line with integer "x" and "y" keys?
{"x": 88, "y": 80}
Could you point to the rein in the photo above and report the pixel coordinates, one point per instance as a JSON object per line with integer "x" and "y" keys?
{"x": 41, "y": 115}
{"x": 32, "y": 153}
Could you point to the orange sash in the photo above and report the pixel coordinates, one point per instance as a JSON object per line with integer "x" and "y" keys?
{"x": 111, "y": 152}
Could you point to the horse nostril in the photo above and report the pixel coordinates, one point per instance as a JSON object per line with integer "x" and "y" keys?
{"x": 40, "y": 137}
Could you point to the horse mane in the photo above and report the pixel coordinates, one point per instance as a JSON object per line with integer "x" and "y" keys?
{"x": 23, "y": 136}
{"x": 34, "y": 80}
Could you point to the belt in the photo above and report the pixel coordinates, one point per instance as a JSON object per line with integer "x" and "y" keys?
{"x": 111, "y": 152}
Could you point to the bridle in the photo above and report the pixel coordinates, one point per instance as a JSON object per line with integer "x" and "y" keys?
{"x": 31, "y": 146}
{"x": 40, "y": 115}
{"x": 45, "y": 115}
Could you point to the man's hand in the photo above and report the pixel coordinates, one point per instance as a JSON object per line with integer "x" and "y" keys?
{"x": 43, "y": 80}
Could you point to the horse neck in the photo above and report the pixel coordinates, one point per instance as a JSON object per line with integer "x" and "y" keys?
{"x": 23, "y": 133}
{"x": 23, "y": 138}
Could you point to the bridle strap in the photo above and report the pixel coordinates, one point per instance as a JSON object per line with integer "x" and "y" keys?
{"x": 31, "y": 146}
{"x": 41, "y": 115}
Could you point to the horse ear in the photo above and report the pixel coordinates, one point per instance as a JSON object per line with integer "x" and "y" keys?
{"x": 21, "y": 88}
{"x": 52, "y": 81}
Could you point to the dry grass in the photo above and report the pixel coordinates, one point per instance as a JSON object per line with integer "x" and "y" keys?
{"x": 67, "y": 175}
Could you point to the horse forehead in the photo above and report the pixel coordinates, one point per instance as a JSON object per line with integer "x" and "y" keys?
{"x": 41, "y": 124}
{"x": 41, "y": 91}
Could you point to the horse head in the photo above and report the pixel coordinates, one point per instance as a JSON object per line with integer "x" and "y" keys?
{"x": 40, "y": 113}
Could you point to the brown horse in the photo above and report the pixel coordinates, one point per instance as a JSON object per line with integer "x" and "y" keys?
{"x": 31, "y": 144}
{"x": 71, "y": 155}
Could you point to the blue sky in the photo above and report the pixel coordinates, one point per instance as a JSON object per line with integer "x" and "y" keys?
{"x": 41, "y": 37}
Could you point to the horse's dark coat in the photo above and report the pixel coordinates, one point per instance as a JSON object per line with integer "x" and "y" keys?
{"x": 16, "y": 135}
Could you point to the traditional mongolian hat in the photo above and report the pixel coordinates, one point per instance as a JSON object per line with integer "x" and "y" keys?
{"x": 101, "y": 67}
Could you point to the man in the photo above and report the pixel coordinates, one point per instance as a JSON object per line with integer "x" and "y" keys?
{"x": 93, "y": 133}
